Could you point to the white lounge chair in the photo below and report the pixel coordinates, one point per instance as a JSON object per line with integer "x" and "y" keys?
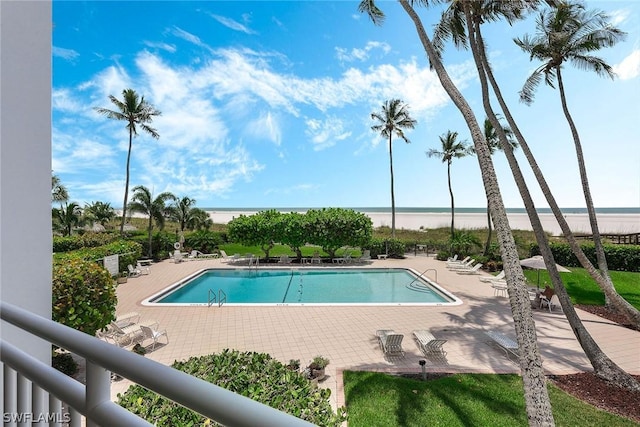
{"x": 153, "y": 334}
{"x": 461, "y": 265}
{"x": 472, "y": 270}
{"x": 453, "y": 258}
{"x": 390, "y": 342}
{"x": 284, "y": 259}
{"x": 138, "y": 271}
{"x": 366, "y": 256}
{"x": 428, "y": 344}
{"x": 491, "y": 279}
{"x": 227, "y": 259}
{"x": 126, "y": 319}
{"x": 316, "y": 259}
{"x": 456, "y": 262}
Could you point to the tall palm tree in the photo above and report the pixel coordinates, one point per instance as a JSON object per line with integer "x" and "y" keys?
{"x": 199, "y": 219}
{"x": 493, "y": 142}
{"x": 66, "y": 217}
{"x": 450, "y": 149}
{"x": 59, "y": 192}
{"x": 571, "y": 33}
{"x": 473, "y": 15}
{"x": 156, "y": 209}
{"x": 182, "y": 210}
{"x": 537, "y": 402}
{"x": 393, "y": 118}
{"x": 136, "y": 112}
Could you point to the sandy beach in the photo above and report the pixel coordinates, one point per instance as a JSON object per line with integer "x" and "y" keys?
{"x": 579, "y": 223}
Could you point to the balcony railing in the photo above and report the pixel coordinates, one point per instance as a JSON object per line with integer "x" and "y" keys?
{"x": 34, "y": 391}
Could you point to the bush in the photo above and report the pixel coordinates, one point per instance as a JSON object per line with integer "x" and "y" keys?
{"x": 619, "y": 257}
{"x": 254, "y": 375}
{"x": 129, "y": 253}
{"x": 86, "y": 240}
{"x": 64, "y": 363}
{"x": 84, "y": 295}
{"x": 204, "y": 241}
{"x": 392, "y": 247}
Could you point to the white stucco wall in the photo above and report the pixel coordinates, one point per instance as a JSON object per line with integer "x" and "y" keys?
{"x": 25, "y": 164}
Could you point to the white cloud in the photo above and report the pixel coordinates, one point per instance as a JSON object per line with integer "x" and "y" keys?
{"x": 344, "y": 55}
{"x": 233, "y": 24}
{"x": 629, "y": 67}
{"x": 68, "y": 54}
{"x": 326, "y": 133}
{"x": 265, "y": 127}
{"x": 158, "y": 45}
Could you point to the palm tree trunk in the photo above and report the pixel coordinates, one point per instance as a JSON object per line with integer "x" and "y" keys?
{"x": 451, "y": 195}
{"x": 487, "y": 245}
{"x": 536, "y": 396}
{"x": 603, "y": 366}
{"x": 150, "y": 229}
{"x": 126, "y": 184}
{"x": 603, "y": 280}
{"x": 393, "y": 198}
{"x": 602, "y": 260}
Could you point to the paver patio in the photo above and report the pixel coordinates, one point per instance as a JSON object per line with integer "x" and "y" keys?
{"x": 346, "y": 334}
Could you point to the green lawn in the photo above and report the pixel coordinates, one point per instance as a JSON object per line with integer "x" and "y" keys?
{"x": 584, "y": 290}
{"x": 375, "y": 399}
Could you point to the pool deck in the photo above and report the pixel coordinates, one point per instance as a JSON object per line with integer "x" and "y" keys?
{"x": 346, "y": 335}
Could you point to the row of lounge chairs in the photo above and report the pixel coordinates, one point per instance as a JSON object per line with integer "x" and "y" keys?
{"x": 128, "y": 329}
{"x": 391, "y": 343}
{"x": 465, "y": 266}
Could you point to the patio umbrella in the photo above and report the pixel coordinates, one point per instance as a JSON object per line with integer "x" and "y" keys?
{"x": 537, "y": 263}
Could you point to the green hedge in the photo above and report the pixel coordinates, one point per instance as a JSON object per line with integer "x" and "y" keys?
{"x": 83, "y": 295}
{"x": 129, "y": 252}
{"x": 254, "y": 375}
{"x": 619, "y": 257}
{"x": 86, "y": 240}
{"x": 392, "y": 247}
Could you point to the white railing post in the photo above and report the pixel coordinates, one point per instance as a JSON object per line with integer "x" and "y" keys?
{"x": 24, "y": 395}
{"x": 39, "y": 408}
{"x": 55, "y": 407}
{"x": 10, "y": 392}
{"x": 98, "y": 389}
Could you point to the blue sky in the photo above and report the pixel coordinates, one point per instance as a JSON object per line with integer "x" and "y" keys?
{"x": 267, "y": 104}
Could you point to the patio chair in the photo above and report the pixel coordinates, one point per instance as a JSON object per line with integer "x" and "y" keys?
{"x": 153, "y": 334}
{"x": 461, "y": 265}
{"x": 126, "y": 319}
{"x": 457, "y": 262}
{"x": 428, "y": 344}
{"x": 366, "y": 256}
{"x": 508, "y": 345}
{"x": 315, "y": 259}
{"x": 472, "y": 270}
{"x": 551, "y": 303}
{"x": 227, "y": 259}
{"x": 453, "y": 258}
{"x": 492, "y": 279}
{"x": 135, "y": 272}
{"x": 284, "y": 259}
{"x": 390, "y": 342}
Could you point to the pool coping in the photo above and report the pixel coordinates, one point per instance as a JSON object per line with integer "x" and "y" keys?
{"x": 151, "y": 300}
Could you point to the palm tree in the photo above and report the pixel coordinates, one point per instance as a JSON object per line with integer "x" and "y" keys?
{"x": 569, "y": 32}
{"x": 474, "y": 16}
{"x": 66, "y": 217}
{"x": 59, "y": 192}
{"x": 156, "y": 209}
{"x": 450, "y": 149}
{"x": 393, "y": 118}
{"x": 136, "y": 112}
{"x": 493, "y": 142}
{"x": 536, "y": 396}
{"x": 99, "y": 211}
{"x": 182, "y": 211}
{"x": 199, "y": 219}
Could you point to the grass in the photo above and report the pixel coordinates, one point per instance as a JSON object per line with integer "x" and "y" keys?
{"x": 375, "y": 399}
{"x": 584, "y": 290}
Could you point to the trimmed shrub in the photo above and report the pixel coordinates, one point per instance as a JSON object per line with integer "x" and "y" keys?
{"x": 619, "y": 257}
{"x": 86, "y": 240}
{"x": 204, "y": 241}
{"x": 254, "y": 375}
{"x": 64, "y": 363}
{"x": 129, "y": 253}
{"x": 392, "y": 247}
{"x": 84, "y": 295}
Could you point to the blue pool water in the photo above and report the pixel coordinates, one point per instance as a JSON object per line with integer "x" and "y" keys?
{"x": 306, "y": 287}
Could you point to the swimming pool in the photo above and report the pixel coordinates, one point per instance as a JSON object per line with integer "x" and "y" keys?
{"x": 304, "y": 286}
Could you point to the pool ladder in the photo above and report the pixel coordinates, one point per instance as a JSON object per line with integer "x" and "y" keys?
{"x": 419, "y": 286}
{"x": 221, "y": 299}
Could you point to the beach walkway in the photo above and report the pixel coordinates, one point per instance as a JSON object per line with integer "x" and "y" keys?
{"x": 346, "y": 335}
